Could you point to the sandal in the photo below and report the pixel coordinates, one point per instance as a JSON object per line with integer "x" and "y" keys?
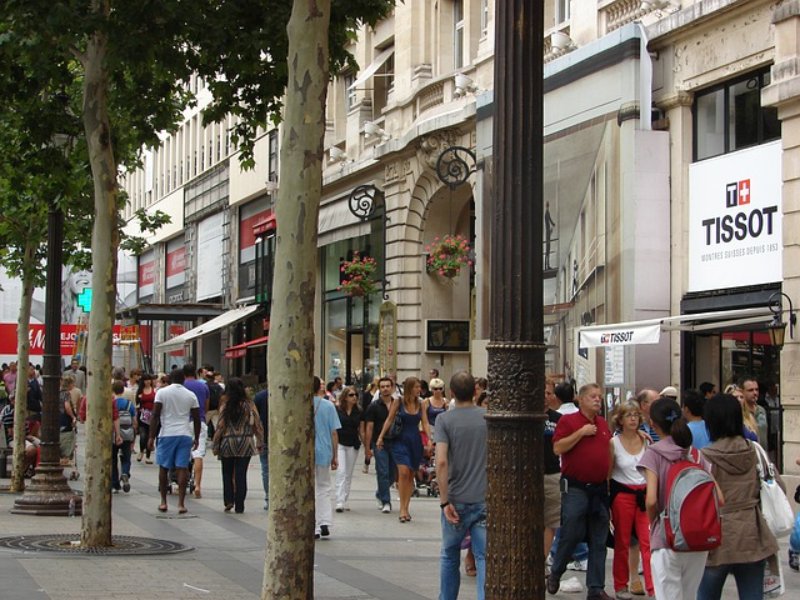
{"x": 162, "y": 508}
{"x": 182, "y": 510}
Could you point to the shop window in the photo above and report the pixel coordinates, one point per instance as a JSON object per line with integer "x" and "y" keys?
{"x": 484, "y": 16}
{"x": 458, "y": 34}
{"x": 272, "y": 169}
{"x": 562, "y": 11}
{"x": 350, "y": 93}
{"x": 730, "y": 117}
{"x": 383, "y": 82}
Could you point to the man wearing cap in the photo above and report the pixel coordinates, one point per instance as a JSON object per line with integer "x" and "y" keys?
{"x": 669, "y": 392}
{"x": 582, "y": 440}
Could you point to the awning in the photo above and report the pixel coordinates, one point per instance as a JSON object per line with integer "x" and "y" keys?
{"x": 337, "y": 223}
{"x": 240, "y": 350}
{"x": 373, "y": 67}
{"x": 215, "y": 324}
{"x": 648, "y": 331}
{"x": 170, "y": 312}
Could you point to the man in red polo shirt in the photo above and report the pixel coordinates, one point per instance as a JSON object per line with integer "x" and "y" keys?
{"x": 581, "y": 440}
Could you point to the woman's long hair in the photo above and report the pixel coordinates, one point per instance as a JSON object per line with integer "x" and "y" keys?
{"x": 236, "y": 400}
{"x": 408, "y": 391}
{"x": 140, "y": 387}
{"x": 666, "y": 413}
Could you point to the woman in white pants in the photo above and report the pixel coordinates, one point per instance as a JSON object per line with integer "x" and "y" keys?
{"x": 349, "y": 443}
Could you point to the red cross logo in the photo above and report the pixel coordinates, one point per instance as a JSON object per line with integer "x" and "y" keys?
{"x": 744, "y": 192}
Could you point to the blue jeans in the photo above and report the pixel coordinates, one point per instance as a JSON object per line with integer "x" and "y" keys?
{"x": 749, "y": 581}
{"x": 581, "y": 550}
{"x": 264, "y": 456}
{"x": 576, "y": 522}
{"x": 384, "y": 469}
{"x": 472, "y": 520}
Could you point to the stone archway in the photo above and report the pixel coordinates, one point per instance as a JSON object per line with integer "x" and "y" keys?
{"x": 417, "y": 214}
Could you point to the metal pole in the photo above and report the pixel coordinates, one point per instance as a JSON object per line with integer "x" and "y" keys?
{"x": 49, "y": 493}
{"x": 515, "y": 552}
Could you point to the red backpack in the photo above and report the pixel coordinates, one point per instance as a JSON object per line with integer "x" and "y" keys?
{"x": 691, "y": 515}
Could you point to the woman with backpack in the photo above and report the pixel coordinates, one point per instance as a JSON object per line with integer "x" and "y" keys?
{"x": 746, "y": 539}
{"x": 676, "y": 575}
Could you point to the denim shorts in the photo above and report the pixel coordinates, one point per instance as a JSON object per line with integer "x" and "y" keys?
{"x": 174, "y": 451}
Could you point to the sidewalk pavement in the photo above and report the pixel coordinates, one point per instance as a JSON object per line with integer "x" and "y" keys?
{"x": 369, "y": 555}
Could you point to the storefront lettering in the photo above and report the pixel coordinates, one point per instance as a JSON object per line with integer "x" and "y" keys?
{"x": 727, "y": 228}
{"x": 616, "y": 338}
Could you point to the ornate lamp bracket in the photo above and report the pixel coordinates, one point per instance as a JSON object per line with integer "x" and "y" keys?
{"x": 362, "y": 202}
{"x": 455, "y": 165}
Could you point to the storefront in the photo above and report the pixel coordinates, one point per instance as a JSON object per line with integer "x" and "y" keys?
{"x": 349, "y": 344}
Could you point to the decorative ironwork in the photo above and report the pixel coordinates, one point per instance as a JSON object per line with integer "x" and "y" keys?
{"x": 362, "y": 201}
{"x": 123, "y": 545}
{"x": 362, "y": 204}
{"x": 455, "y": 165}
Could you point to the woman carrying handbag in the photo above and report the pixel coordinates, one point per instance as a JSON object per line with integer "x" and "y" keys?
{"x": 238, "y": 437}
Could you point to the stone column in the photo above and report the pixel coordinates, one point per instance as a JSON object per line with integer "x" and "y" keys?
{"x": 784, "y": 93}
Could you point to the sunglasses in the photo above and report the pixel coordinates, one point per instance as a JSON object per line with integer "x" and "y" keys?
{"x": 351, "y": 394}
{"x": 437, "y": 389}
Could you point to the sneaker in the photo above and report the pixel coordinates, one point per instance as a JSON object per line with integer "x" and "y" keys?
{"x": 387, "y": 508}
{"x": 266, "y": 504}
{"x": 552, "y": 584}
{"x": 140, "y": 457}
{"x": 571, "y": 586}
{"x": 623, "y": 594}
{"x": 794, "y": 560}
{"x": 380, "y": 505}
{"x": 578, "y": 565}
{"x": 323, "y": 529}
{"x": 548, "y": 562}
{"x": 115, "y": 491}
{"x": 598, "y": 595}
{"x": 126, "y": 484}
{"x": 340, "y": 507}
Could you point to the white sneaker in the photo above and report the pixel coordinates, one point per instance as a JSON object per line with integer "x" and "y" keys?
{"x": 571, "y": 586}
{"x": 387, "y": 508}
{"x": 380, "y": 505}
{"x": 578, "y": 565}
{"x": 339, "y": 507}
{"x": 623, "y": 595}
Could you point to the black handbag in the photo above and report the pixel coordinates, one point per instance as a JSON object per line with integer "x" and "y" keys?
{"x": 395, "y": 428}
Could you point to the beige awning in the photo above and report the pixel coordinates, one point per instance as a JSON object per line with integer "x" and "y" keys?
{"x": 373, "y": 67}
{"x": 214, "y": 325}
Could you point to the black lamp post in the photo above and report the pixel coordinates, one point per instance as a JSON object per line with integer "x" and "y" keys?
{"x": 777, "y": 329}
{"x": 49, "y": 493}
{"x": 515, "y": 496}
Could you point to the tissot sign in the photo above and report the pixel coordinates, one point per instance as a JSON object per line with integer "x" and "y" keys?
{"x": 735, "y": 219}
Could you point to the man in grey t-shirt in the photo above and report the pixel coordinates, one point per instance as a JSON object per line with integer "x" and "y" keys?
{"x": 461, "y": 473}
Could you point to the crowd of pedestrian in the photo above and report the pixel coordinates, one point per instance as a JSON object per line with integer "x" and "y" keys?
{"x": 608, "y": 482}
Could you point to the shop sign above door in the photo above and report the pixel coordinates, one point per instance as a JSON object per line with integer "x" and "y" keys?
{"x": 735, "y": 218}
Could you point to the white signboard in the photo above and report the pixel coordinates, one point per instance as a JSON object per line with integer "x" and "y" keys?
{"x": 735, "y": 217}
{"x": 615, "y": 367}
{"x": 209, "y": 257}
{"x": 624, "y": 334}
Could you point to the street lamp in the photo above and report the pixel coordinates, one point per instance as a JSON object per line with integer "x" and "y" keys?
{"x": 777, "y": 328}
{"x": 49, "y": 493}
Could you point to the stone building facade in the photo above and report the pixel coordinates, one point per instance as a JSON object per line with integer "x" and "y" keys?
{"x": 645, "y": 103}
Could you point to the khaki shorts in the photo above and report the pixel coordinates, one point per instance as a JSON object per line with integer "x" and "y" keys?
{"x": 67, "y": 444}
{"x": 552, "y": 500}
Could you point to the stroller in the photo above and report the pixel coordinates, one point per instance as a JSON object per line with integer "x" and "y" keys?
{"x": 425, "y": 475}
{"x": 172, "y": 480}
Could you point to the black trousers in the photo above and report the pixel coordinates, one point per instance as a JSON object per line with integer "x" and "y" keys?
{"x": 234, "y": 480}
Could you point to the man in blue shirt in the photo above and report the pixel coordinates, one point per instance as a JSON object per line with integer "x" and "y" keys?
{"x": 326, "y": 442}
{"x": 262, "y": 405}
{"x": 199, "y": 388}
{"x": 693, "y": 404}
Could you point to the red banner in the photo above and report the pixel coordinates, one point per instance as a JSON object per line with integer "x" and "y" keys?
{"x": 69, "y": 335}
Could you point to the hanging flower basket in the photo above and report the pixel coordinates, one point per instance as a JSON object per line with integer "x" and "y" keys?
{"x": 446, "y": 256}
{"x": 358, "y": 276}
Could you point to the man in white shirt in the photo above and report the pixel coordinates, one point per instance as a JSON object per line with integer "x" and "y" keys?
{"x": 176, "y": 424}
